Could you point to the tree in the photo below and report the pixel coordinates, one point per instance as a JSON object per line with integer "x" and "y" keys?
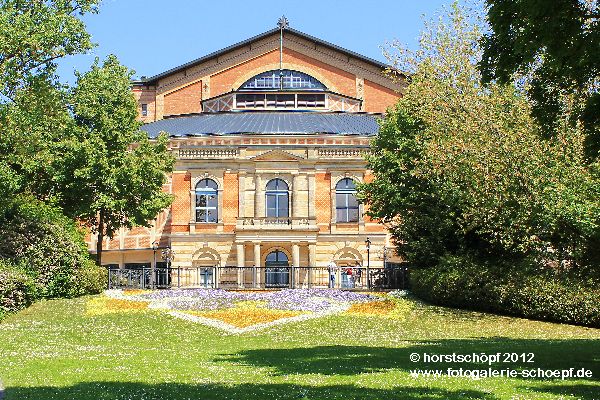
{"x": 556, "y": 44}
{"x": 462, "y": 168}
{"x": 113, "y": 176}
{"x": 34, "y": 34}
{"x": 36, "y": 240}
{"x": 33, "y": 114}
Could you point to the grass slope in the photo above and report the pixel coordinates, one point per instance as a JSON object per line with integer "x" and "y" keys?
{"x": 53, "y": 350}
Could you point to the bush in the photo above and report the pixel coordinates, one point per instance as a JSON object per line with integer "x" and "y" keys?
{"x": 17, "y": 289}
{"x": 91, "y": 279}
{"x": 51, "y": 249}
{"x": 519, "y": 289}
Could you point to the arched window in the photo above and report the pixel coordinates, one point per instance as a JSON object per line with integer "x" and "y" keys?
{"x": 292, "y": 80}
{"x": 207, "y": 203}
{"x": 277, "y": 258}
{"x": 277, "y": 197}
{"x": 277, "y": 273}
{"x": 346, "y": 204}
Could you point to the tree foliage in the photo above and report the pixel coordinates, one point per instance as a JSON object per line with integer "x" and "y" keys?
{"x": 36, "y": 33}
{"x": 113, "y": 174}
{"x": 557, "y": 45}
{"x": 462, "y": 168}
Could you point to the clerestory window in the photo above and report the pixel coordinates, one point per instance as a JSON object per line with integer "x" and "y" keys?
{"x": 292, "y": 80}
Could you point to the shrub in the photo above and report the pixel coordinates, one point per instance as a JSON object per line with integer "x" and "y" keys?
{"x": 17, "y": 289}
{"x": 50, "y": 248}
{"x": 519, "y": 289}
{"x": 91, "y": 279}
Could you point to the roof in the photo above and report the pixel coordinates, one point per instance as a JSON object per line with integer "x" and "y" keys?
{"x": 303, "y": 123}
{"x": 243, "y": 43}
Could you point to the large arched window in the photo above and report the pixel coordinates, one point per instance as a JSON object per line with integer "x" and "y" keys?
{"x": 346, "y": 204}
{"x": 277, "y": 197}
{"x": 207, "y": 203}
{"x": 292, "y": 80}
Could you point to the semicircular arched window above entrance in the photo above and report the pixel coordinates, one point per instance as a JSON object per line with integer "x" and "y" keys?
{"x": 292, "y": 80}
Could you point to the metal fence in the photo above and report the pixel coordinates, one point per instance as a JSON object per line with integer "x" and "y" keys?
{"x": 259, "y": 278}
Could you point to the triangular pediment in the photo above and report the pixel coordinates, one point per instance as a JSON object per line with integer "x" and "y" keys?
{"x": 276, "y": 155}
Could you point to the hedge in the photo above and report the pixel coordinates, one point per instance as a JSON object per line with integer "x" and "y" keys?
{"x": 520, "y": 289}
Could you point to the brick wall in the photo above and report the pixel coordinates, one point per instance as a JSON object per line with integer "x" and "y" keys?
{"x": 379, "y": 98}
{"x": 145, "y": 95}
{"x": 184, "y": 101}
{"x": 323, "y": 200}
{"x": 180, "y": 209}
{"x": 222, "y": 82}
{"x": 230, "y": 201}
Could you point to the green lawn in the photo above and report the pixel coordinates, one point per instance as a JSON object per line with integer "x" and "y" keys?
{"x": 54, "y": 350}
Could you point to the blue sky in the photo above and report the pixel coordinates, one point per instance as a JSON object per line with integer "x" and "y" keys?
{"x": 152, "y": 36}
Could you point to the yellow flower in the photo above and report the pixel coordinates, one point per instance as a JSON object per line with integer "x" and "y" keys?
{"x": 133, "y": 292}
{"x": 396, "y": 309}
{"x": 242, "y": 317}
{"x": 106, "y": 305}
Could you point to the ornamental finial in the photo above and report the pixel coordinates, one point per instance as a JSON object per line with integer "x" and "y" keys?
{"x": 283, "y": 22}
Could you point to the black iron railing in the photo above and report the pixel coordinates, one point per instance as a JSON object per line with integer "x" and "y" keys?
{"x": 258, "y": 278}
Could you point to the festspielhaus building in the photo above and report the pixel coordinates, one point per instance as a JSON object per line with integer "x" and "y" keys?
{"x": 270, "y": 136}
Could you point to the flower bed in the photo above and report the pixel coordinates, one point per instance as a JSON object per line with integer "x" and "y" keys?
{"x": 241, "y": 311}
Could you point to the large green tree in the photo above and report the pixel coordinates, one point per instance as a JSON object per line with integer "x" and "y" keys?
{"x": 33, "y": 113}
{"x": 113, "y": 174}
{"x": 462, "y": 168}
{"x": 556, "y": 45}
{"x": 34, "y": 34}
{"x": 37, "y": 240}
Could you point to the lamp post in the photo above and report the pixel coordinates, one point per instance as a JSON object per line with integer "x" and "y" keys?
{"x": 153, "y": 269}
{"x": 384, "y": 256}
{"x": 368, "y": 243}
{"x": 168, "y": 255}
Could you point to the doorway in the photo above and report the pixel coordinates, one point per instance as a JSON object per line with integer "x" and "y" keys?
{"x": 277, "y": 270}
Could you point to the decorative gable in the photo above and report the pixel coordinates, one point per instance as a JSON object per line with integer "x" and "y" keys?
{"x": 276, "y": 155}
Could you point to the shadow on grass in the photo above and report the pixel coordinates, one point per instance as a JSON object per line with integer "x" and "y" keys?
{"x": 578, "y": 391}
{"x": 354, "y": 360}
{"x": 174, "y": 391}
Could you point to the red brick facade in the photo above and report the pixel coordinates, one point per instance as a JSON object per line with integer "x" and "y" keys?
{"x": 185, "y": 100}
{"x": 239, "y": 179}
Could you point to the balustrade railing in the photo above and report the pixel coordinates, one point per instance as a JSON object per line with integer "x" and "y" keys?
{"x": 281, "y": 222}
{"x": 194, "y": 154}
{"x": 342, "y": 153}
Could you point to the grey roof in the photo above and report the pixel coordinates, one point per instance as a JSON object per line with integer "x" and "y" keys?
{"x": 265, "y": 123}
{"x": 243, "y": 43}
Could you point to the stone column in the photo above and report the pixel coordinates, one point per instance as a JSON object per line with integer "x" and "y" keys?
{"x": 258, "y": 277}
{"x": 300, "y": 196}
{"x": 312, "y": 262}
{"x": 193, "y": 205}
{"x": 295, "y": 263}
{"x": 240, "y": 263}
{"x": 241, "y": 193}
{"x": 296, "y": 201}
{"x": 259, "y": 197}
{"x": 311, "y": 195}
